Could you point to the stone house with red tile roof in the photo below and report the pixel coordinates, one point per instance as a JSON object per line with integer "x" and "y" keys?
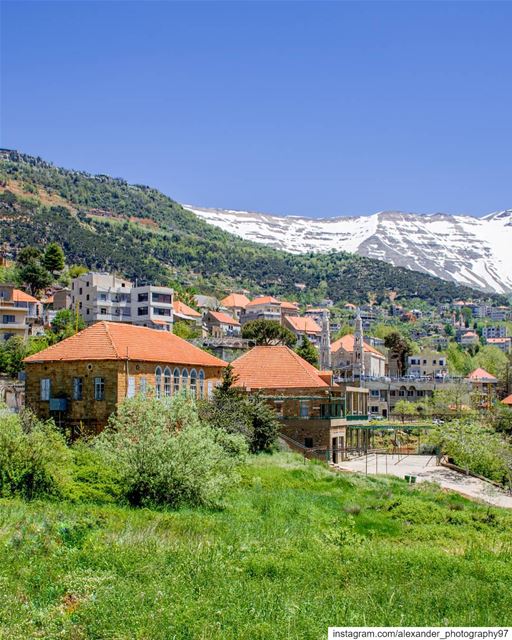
{"x": 262, "y": 308}
{"x": 312, "y": 410}
{"x": 235, "y": 304}
{"x": 303, "y": 326}
{"x": 220, "y": 324}
{"x": 81, "y": 380}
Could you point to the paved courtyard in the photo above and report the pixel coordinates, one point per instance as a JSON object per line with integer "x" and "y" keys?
{"x": 426, "y": 470}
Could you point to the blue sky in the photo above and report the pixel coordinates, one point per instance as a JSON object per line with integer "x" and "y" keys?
{"x": 309, "y": 108}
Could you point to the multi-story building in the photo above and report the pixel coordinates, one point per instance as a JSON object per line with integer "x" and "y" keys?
{"x": 262, "y": 308}
{"x": 495, "y": 331}
{"x": 20, "y": 313}
{"x": 505, "y": 344}
{"x": 313, "y": 412}
{"x": 152, "y": 307}
{"x": 219, "y": 324}
{"x": 469, "y": 338}
{"x": 289, "y": 309}
{"x": 235, "y": 304}
{"x": 303, "y": 326}
{"x": 428, "y": 364}
{"x": 102, "y": 296}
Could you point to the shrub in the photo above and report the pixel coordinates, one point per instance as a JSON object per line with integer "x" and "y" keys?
{"x": 34, "y": 459}
{"x": 233, "y": 411}
{"x": 165, "y": 455}
{"x": 472, "y": 446}
{"x": 92, "y": 479}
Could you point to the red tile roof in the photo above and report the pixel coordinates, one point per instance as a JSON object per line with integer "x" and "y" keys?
{"x": 481, "y": 375}
{"x": 223, "y": 318}
{"x": 470, "y": 334}
{"x": 184, "y": 309}
{"x": 289, "y": 305}
{"x": 235, "y": 300}
{"x": 275, "y": 368}
{"x": 21, "y": 296}
{"x": 499, "y": 340}
{"x": 347, "y": 343}
{"x": 119, "y": 341}
{"x": 508, "y": 400}
{"x": 263, "y": 300}
{"x": 303, "y": 324}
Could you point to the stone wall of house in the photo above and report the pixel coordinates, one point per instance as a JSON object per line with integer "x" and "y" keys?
{"x": 89, "y": 414}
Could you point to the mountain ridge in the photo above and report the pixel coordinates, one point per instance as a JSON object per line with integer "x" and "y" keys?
{"x": 135, "y": 230}
{"x": 460, "y": 248}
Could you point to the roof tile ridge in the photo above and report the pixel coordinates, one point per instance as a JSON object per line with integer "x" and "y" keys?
{"x": 109, "y": 336}
{"x": 301, "y": 361}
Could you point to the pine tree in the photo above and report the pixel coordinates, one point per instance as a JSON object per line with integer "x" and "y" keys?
{"x": 53, "y": 259}
{"x": 308, "y": 351}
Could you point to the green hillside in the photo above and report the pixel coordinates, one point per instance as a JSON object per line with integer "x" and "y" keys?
{"x": 297, "y": 548}
{"x": 108, "y": 224}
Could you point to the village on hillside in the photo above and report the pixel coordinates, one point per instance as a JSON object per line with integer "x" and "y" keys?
{"x": 332, "y": 374}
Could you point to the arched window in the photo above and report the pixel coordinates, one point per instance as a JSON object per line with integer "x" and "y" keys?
{"x": 193, "y": 383}
{"x": 167, "y": 382}
{"x": 184, "y": 380}
{"x": 158, "y": 382}
{"x": 176, "y": 381}
{"x": 201, "y": 384}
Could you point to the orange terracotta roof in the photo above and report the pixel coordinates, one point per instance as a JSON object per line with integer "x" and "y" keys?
{"x": 263, "y": 300}
{"x": 347, "y": 344}
{"x": 275, "y": 368}
{"x": 498, "y": 340}
{"x": 118, "y": 341}
{"x": 507, "y": 400}
{"x": 235, "y": 300}
{"x": 289, "y": 305}
{"x": 184, "y": 309}
{"x": 470, "y": 334}
{"x": 304, "y": 324}
{"x": 21, "y": 296}
{"x": 223, "y": 318}
{"x": 481, "y": 375}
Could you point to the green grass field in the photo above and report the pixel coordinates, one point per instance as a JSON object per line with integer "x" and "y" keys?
{"x": 297, "y": 548}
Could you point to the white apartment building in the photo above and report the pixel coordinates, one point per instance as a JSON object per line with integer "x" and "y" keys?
{"x": 495, "y": 331}
{"x": 103, "y": 296}
{"x": 428, "y": 364}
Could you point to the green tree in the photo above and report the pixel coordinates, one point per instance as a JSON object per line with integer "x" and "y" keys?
{"x": 186, "y": 330}
{"x": 233, "y": 411}
{"x": 35, "y": 277}
{"x": 399, "y": 350}
{"x": 76, "y": 270}
{"x": 403, "y": 408}
{"x": 28, "y": 255}
{"x": 53, "y": 259}
{"x": 308, "y": 351}
{"x": 66, "y": 323}
{"x": 268, "y": 332}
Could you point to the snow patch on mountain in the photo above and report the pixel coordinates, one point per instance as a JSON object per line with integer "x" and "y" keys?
{"x": 471, "y": 251}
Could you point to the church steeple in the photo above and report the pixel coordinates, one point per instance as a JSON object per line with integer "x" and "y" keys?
{"x": 325, "y": 343}
{"x": 358, "y": 355}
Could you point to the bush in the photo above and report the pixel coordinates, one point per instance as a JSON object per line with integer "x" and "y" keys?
{"x": 34, "y": 459}
{"x": 475, "y": 448}
{"x": 165, "y": 455}
{"x": 233, "y": 411}
{"x": 92, "y": 479}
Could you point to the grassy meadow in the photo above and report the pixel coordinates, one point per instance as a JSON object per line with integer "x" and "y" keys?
{"x": 295, "y": 549}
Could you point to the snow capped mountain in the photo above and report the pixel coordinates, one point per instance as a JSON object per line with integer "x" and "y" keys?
{"x": 471, "y": 251}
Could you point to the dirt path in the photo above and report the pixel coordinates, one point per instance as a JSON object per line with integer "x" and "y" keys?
{"x": 426, "y": 470}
